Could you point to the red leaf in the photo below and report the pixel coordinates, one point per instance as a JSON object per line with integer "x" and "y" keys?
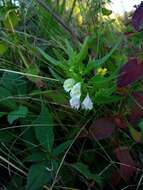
{"x": 127, "y": 165}
{"x": 137, "y": 112}
{"x": 120, "y": 122}
{"x": 135, "y": 115}
{"x": 130, "y": 72}
{"x": 102, "y": 128}
{"x": 116, "y": 178}
{"x": 137, "y": 19}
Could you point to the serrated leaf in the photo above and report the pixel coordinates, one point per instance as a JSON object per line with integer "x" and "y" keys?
{"x": 21, "y": 112}
{"x": 44, "y": 129}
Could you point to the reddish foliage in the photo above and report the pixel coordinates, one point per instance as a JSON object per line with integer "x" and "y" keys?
{"x": 137, "y": 112}
{"x": 120, "y": 122}
{"x": 116, "y": 178}
{"x": 135, "y": 115}
{"x": 130, "y": 72}
{"x": 102, "y": 128}
{"x": 127, "y": 165}
{"x": 137, "y": 19}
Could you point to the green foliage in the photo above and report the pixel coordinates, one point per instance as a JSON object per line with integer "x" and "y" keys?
{"x": 21, "y": 112}
{"x": 44, "y": 143}
{"x": 37, "y": 177}
{"x": 84, "y": 170}
{"x": 44, "y": 129}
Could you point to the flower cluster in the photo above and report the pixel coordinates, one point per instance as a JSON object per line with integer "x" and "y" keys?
{"x": 75, "y": 93}
{"x": 101, "y": 71}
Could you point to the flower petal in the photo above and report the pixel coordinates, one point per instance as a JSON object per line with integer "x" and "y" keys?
{"x": 87, "y": 103}
{"x": 68, "y": 84}
{"x": 76, "y": 90}
{"x": 75, "y": 103}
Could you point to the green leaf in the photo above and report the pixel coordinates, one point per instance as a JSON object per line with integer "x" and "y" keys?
{"x": 44, "y": 129}
{"x": 3, "y": 48}
{"x": 96, "y": 63}
{"x": 106, "y": 12}
{"x": 6, "y": 98}
{"x": 33, "y": 70}
{"x": 84, "y": 170}
{"x": 36, "y": 156}
{"x": 48, "y": 57}
{"x": 37, "y": 177}
{"x": 61, "y": 148}
{"x": 57, "y": 96}
{"x": 21, "y": 112}
{"x": 14, "y": 83}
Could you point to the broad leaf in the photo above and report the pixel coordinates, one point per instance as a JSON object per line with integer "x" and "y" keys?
{"x": 127, "y": 165}
{"x": 137, "y": 111}
{"x": 102, "y": 128}
{"x": 61, "y": 148}
{"x": 21, "y": 112}
{"x": 14, "y": 83}
{"x": 130, "y": 72}
{"x": 84, "y": 170}
{"x": 6, "y": 98}
{"x": 44, "y": 129}
{"x": 120, "y": 122}
{"x": 38, "y": 176}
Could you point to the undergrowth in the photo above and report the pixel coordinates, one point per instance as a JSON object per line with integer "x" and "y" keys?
{"x": 70, "y": 95}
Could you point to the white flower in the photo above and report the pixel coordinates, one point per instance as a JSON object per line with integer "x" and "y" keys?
{"x": 75, "y": 103}
{"x": 68, "y": 84}
{"x": 76, "y": 90}
{"x": 87, "y": 103}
